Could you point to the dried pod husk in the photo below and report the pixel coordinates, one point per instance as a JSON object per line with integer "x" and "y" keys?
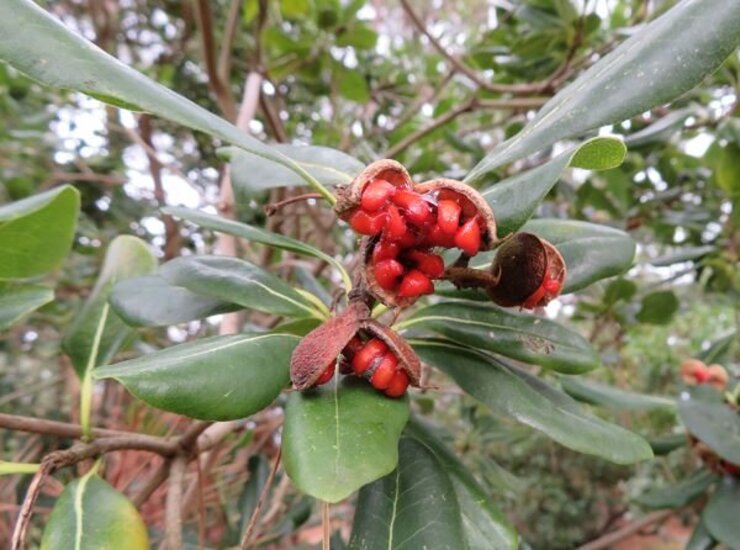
{"x": 349, "y": 197}
{"x": 407, "y": 358}
{"x": 388, "y": 297}
{"x": 323, "y": 345}
{"x": 521, "y": 266}
{"x": 483, "y": 210}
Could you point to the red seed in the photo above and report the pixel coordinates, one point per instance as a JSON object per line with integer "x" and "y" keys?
{"x": 409, "y": 240}
{"x": 385, "y": 250}
{"x": 364, "y": 358}
{"x": 387, "y": 273}
{"x": 448, "y": 216}
{"x": 376, "y": 194}
{"x": 398, "y": 385}
{"x": 367, "y": 224}
{"x": 416, "y": 208}
{"x": 552, "y": 286}
{"x": 352, "y": 347}
{"x": 702, "y": 375}
{"x": 327, "y": 374}
{"x": 395, "y": 227}
{"x": 437, "y": 237}
{"x": 429, "y": 264}
{"x": 467, "y": 237}
{"x": 415, "y": 283}
{"x": 535, "y": 298}
{"x": 383, "y": 374}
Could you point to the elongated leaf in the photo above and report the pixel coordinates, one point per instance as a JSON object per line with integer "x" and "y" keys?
{"x": 520, "y": 336}
{"x": 511, "y": 391}
{"x": 656, "y": 65}
{"x": 255, "y": 234}
{"x": 233, "y": 280}
{"x": 714, "y": 423}
{"x": 151, "y": 301}
{"x": 662, "y": 445}
{"x": 17, "y": 301}
{"x": 91, "y": 514}
{"x": 43, "y": 48}
{"x": 218, "y": 378}
{"x": 679, "y": 495}
{"x": 720, "y": 514}
{"x": 515, "y": 199}
{"x": 251, "y": 174}
{"x": 36, "y": 233}
{"x": 97, "y": 332}
{"x": 719, "y": 348}
{"x": 662, "y": 129}
{"x": 685, "y": 254}
{"x": 700, "y": 538}
{"x": 340, "y": 437}
{"x": 610, "y": 397}
{"x": 413, "y": 507}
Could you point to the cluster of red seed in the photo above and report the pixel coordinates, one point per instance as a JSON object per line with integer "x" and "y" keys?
{"x": 409, "y": 225}
{"x": 373, "y": 361}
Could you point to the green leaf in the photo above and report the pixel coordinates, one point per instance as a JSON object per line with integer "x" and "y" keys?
{"x": 679, "y": 495}
{"x": 662, "y": 129}
{"x": 352, "y": 84}
{"x": 358, "y": 36}
{"x": 97, "y": 332}
{"x": 714, "y": 423}
{"x": 151, "y": 301}
{"x": 610, "y": 397}
{"x": 238, "y": 281}
{"x": 520, "y": 336}
{"x": 413, "y": 507}
{"x": 251, "y": 174}
{"x": 719, "y": 349}
{"x": 662, "y": 445}
{"x": 17, "y": 301}
{"x": 91, "y": 514}
{"x": 255, "y": 234}
{"x": 685, "y": 254}
{"x": 700, "y": 538}
{"x": 666, "y": 58}
{"x": 36, "y": 233}
{"x": 40, "y": 46}
{"x": 340, "y": 437}
{"x": 592, "y": 252}
{"x": 218, "y": 378}
{"x": 514, "y": 200}
{"x": 658, "y": 308}
{"x": 295, "y": 9}
{"x": 720, "y": 513}
{"x": 513, "y": 392}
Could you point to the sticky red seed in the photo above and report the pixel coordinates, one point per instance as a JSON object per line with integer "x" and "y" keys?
{"x": 552, "y": 286}
{"x": 448, "y": 216}
{"x": 327, "y": 374}
{"x": 367, "y": 224}
{"x": 376, "y": 194}
{"x": 398, "y": 385}
{"x": 364, "y": 358}
{"x": 535, "y": 298}
{"x": 383, "y": 374}
{"x": 385, "y": 250}
{"x": 415, "y": 283}
{"x": 429, "y": 264}
{"x": 417, "y": 210}
{"x": 387, "y": 273}
{"x": 467, "y": 237}
{"x": 395, "y": 227}
{"x": 437, "y": 237}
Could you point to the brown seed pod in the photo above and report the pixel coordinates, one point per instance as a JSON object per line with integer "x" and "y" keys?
{"x": 322, "y": 345}
{"x": 406, "y": 356}
{"x": 348, "y": 198}
{"x": 475, "y": 199}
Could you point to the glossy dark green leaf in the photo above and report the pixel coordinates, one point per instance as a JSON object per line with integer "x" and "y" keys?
{"x": 97, "y": 332}
{"x": 612, "y": 397}
{"x": 714, "y": 423}
{"x": 521, "y": 336}
{"x": 36, "y": 233}
{"x": 513, "y": 392}
{"x": 18, "y": 300}
{"x": 680, "y": 494}
{"x": 91, "y": 514}
{"x": 413, "y": 507}
{"x": 662, "y": 445}
{"x": 151, "y": 301}
{"x": 657, "y": 64}
{"x": 238, "y": 281}
{"x": 720, "y": 513}
{"x": 255, "y": 234}
{"x": 251, "y": 174}
{"x": 42, "y": 47}
{"x": 340, "y": 437}
{"x": 218, "y": 378}
{"x": 658, "y": 308}
{"x": 515, "y": 199}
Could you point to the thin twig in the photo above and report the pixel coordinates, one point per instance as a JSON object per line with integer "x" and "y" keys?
{"x": 272, "y": 208}
{"x": 611, "y": 539}
{"x": 24, "y": 515}
{"x": 260, "y": 501}
{"x": 326, "y": 526}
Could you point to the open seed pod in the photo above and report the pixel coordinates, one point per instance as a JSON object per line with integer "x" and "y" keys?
{"x": 349, "y": 198}
{"x": 529, "y": 272}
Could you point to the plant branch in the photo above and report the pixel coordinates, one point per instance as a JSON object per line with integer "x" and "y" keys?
{"x": 260, "y": 501}
{"x": 610, "y": 539}
{"x": 173, "y": 506}
{"x": 227, "y": 43}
